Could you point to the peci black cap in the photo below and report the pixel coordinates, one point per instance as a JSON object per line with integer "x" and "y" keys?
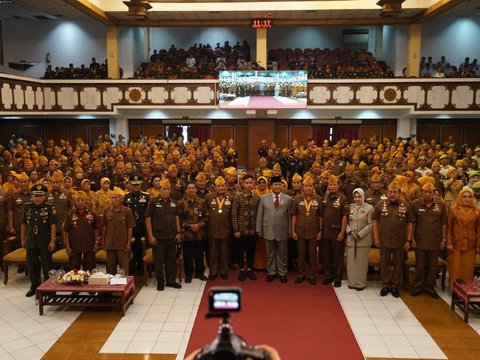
{"x": 275, "y": 179}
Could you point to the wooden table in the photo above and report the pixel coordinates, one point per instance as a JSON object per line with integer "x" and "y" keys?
{"x": 462, "y": 296}
{"x": 52, "y": 293}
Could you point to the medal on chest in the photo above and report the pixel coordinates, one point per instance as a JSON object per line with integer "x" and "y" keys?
{"x": 384, "y": 209}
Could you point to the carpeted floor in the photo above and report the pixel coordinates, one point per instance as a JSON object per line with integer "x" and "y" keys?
{"x": 304, "y": 322}
{"x": 266, "y": 102}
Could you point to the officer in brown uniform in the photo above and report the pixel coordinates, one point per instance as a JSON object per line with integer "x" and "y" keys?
{"x": 177, "y": 184}
{"x": 392, "y": 233}
{"x": 335, "y": 211}
{"x": 218, "y": 207}
{"x": 430, "y": 235}
{"x": 244, "y": 215}
{"x": 191, "y": 211}
{"x": 306, "y": 224}
{"x": 17, "y": 202}
{"x": 164, "y": 232}
{"x": 376, "y": 191}
{"x": 4, "y": 198}
{"x": 60, "y": 199}
{"x": 80, "y": 229}
{"x": 118, "y": 223}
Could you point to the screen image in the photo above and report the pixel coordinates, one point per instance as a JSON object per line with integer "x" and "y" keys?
{"x": 263, "y": 89}
{"x": 225, "y": 300}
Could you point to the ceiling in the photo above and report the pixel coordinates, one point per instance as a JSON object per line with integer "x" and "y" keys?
{"x": 237, "y": 13}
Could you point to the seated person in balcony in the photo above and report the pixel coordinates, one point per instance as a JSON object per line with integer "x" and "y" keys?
{"x": 190, "y": 61}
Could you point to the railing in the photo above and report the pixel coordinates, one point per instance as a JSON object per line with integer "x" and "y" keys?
{"x": 27, "y": 96}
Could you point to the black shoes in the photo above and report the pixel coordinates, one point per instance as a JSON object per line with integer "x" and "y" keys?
{"x": 251, "y": 275}
{"x": 224, "y": 276}
{"x": 30, "y": 293}
{"x": 201, "y": 277}
{"x": 212, "y": 277}
{"x": 299, "y": 279}
{"x": 188, "y": 279}
{"x": 160, "y": 286}
{"x": 327, "y": 280}
{"x": 270, "y": 278}
{"x": 242, "y": 276}
{"x": 312, "y": 281}
{"x": 337, "y": 283}
{"x": 433, "y": 294}
{"x": 395, "y": 292}
{"x": 283, "y": 279}
{"x": 174, "y": 285}
{"x": 384, "y": 291}
{"x": 416, "y": 292}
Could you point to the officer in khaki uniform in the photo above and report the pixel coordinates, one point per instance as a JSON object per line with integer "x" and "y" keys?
{"x": 80, "y": 229}
{"x": 306, "y": 224}
{"x": 376, "y": 191}
{"x": 164, "y": 232}
{"x": 38, "y": 232}
{"x": 335, "y": 212}
{"x": 430, "y": 235}
{"x": 392, "y": 233}
{"x": 218, "y": 207}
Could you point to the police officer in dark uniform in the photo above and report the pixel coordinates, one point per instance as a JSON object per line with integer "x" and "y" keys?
{"x": 137, "y": 201}
{"x": 38, "y": 232}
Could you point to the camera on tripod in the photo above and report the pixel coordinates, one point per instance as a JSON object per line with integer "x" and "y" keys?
{"x": 227, "y": 345}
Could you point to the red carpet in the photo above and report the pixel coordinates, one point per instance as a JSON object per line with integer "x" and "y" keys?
{"x": 302, "y": 321}
{"x": 267, "y": 102}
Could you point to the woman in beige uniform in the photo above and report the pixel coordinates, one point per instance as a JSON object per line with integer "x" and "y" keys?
{"x": 359, "y": 240}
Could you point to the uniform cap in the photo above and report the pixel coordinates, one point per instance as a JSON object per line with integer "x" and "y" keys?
{"x": 230, "y": 171}
{"x": 220, "y": 181}
{"x": 362, "y": 166}
{"x": 394, "y": 185}
{"x": 444, "y": 156}
{"x": 201, "y": 176}
{"x": 376, "y": 177}
{"x": 57, "y": 176}
{"x": 22, "y": 176}
{"x": 428, "y": 186}
{"x": 277, "y": 167}
{"x": 426, "y": 179}
{"x": 165, "y": 184}
{"x": 476, "y": 185}
{"x": 325, "y": 174}
{"x": 172, "y": 167}
{"x": 267, "y": 173}
{"x": 333, "y": 179}
{"x": 308, "y": 181}
{"x": 296, "y": 176}
{"x": 135, "y": 180}
{"x": 81, "y": 195}
{"x": 118, "y": 191}
{"x": 39, "y": 189}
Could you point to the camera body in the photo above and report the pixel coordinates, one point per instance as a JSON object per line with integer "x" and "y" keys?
{"x": 227, "y": 345}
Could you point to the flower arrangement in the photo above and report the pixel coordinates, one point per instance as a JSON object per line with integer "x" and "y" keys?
{"x": 74, "y": 277}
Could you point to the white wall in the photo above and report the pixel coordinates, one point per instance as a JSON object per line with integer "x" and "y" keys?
{"x": 455, "y": 39}
{"x": 66, "y": 41}
{"x": 163, "y": 38}
{"x": 130, "y": 49}
{"x": 394, "y": 46}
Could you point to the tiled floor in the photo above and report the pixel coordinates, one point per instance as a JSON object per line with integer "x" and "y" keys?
{"x": 384, "y": 326}
{"x": 158, "y": 322}
{"x": 161, "y": 323}
{"x": 24, "y": 333}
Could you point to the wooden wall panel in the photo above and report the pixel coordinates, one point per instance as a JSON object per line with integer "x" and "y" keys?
{"x": 7, "y": 129}
{"x": 389, "y": 131}
{"x": 152, "y": 130}
{"x": 55, "y": 132}
{"x": 300, "y": 133}
{"x": 76, "y": 131}
{"x": 281, "y": 137}
{"x": 428, "y": 132}
{"x": 455, "y": 131}
{"x": 32, "y": 132}
{"x": 96, "y": 131}
{"x": 471, "y": 135}
{"x": 241, "y": 141}
{"x": 258, "y": 129}
{"x": 220, "y": 132}
{"x": 367, "y": 131}
{"x": 134, "y": 131}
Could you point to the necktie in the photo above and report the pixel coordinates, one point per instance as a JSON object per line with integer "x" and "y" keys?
{"x": 276, "y": 202}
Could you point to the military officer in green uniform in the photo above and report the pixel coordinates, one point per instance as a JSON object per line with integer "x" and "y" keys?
{"x": 137, "y": 201}
{"x": 38, "y": 232}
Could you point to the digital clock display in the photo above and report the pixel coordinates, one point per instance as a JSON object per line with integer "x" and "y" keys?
{"x": 261, "y": 23}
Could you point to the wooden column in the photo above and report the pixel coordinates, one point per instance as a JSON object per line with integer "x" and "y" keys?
{"x": 413, "y": 51}
{"x": 112, "y": 52}
{"x": 258, "y": 129}
{"x": 262, "y": 48}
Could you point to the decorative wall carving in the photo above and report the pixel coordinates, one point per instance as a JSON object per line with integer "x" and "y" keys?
{"x": 20, "y": 95}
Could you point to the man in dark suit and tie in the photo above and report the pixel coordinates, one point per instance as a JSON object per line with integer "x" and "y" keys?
{"x": 273, "y": 224}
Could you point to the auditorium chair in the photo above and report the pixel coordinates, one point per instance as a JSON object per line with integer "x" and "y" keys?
{"x": 409, "y": 269}
{"x": 18, "y": 257}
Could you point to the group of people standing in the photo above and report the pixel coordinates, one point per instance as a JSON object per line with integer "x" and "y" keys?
{"x": 278, "y": 217}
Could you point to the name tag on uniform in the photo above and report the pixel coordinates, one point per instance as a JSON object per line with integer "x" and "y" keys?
{"x": 159, "y": 205}
{"x": 422, "y": 210}
{"x": 142, "y": 200}
{"x": 172, "y": 205}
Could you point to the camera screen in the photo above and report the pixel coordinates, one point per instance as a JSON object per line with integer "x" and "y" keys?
{"x": 224, "y": 299}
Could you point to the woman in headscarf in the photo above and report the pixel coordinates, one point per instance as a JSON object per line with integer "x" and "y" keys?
{"x": 359, "y": 240}
{"x": 463, "y": 236}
